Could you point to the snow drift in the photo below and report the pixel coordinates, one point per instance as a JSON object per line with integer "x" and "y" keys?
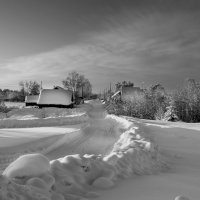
{"x": 78, "y": 176}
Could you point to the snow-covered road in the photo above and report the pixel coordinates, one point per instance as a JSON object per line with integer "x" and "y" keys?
{"x": 80, "y": 138}
{"x": 97, "y": 136}
{"x": 123, "y": 150}
{"x": 127, "y": 148}
{"x": 88, "y": 140}
{"x": 180, "y": 143}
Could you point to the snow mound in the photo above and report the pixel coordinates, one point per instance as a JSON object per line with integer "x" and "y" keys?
{"x": 181, "y": 198}
{"x": 27, "y": 165}
{"x": 78, "y": 176}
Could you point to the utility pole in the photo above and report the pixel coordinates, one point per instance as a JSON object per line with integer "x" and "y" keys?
{"x": 110, "y": 91}
{"x": 82, "y": 91}
{"x": 41, "y": 85}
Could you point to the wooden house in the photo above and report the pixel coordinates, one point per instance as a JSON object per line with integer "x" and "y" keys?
{"x": 128, "y": 92}
{"x": 56, "y": 97}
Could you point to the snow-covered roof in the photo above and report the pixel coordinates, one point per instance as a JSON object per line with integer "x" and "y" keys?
{"x": 31, "y": 99}
{"x": 56, "y": 96}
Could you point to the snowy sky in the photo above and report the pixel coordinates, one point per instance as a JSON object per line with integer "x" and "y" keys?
{"x": 144, "y": 41}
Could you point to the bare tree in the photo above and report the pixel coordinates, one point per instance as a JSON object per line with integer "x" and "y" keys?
{"x": 29, "y": 87}
{"x": 77, "y": 82}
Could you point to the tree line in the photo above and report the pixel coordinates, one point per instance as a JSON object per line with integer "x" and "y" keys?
{"x": 76, "y": 82}
{"x": 155, "y": 103}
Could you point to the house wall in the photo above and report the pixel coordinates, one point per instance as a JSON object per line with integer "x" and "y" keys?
{"x": 31, "y": 99}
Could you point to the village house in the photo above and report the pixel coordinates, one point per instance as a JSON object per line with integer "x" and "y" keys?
{"x": 128, "y": 92}
{"x": 56, "y": 97}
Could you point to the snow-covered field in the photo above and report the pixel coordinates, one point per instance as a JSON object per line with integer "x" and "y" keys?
{"x": 135, "y": 159}
{"x": 179, "y": 143}
{"x": 34, "y": 117}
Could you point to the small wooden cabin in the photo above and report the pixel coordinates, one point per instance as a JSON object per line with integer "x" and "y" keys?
{"x": 56, "y": 97}
{"x": 128, "y": 92}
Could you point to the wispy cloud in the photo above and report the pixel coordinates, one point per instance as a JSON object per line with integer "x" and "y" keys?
{"x": 146, "y": 48}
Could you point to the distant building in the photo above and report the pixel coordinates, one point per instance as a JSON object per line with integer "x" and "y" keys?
{"x": 56, "y": 97}
{"x": 128, "y": 92}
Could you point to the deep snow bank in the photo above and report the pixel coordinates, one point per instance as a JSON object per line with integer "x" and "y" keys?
{"x": 25, "y": 122}
{"x": 34, "y": 117}
{"x": 77, "y": 176}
